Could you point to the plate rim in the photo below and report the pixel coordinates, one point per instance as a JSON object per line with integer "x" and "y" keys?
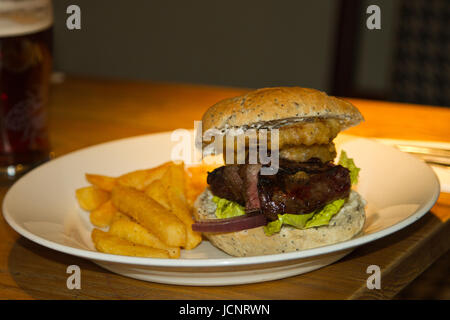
{"x": 209, "y": 262}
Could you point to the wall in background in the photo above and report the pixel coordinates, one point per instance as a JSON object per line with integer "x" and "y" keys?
{"x": 253, "y": 43}
{"x": 375, "y": 50}
{"x": 239, "y": 43}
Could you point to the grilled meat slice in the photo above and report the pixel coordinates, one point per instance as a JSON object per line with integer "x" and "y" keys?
{"x": 225, "y": 182}
{"x": 297, "y": 188}
{"x": 302, "y": 188}
{"x": 249, "y": 174}
{"x": 238, "y": 183}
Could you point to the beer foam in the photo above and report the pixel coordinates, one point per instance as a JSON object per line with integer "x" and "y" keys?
{"x": 21, "y": 17}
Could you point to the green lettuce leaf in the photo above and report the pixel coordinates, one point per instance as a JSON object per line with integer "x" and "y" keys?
{"x": 304, "y": 221}
{"x": 350, "y": 165}
{"x": 323, "y": 217}
{"x": 296, "y": 220}
{"x": 319, "y": 217}
{"x": 227, "y": 209}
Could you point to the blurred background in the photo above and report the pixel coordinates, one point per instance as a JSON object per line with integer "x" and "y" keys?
{"x": 322, "y": 44}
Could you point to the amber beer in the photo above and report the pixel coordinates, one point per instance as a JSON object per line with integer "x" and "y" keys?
{"x": 25, "y": 68}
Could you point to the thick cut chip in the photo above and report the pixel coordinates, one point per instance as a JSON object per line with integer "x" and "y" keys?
{"x": 90, "y": 198}
{"x": 157, "y": 191}
{"x": 150, "y": 214}
{"x": 141, "y": 179}
{"x": 119, "y": 215}
{"x": 134, "y": 232}
{"x": 102, "y": 182}
{"x": 108, "y": 243}
{"x": 174, "y": 181}
{"x": 103, "y": 216}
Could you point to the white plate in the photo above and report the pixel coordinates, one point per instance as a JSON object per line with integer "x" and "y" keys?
{"x": 41, "y": 206}
{"x": 442, "y": 172}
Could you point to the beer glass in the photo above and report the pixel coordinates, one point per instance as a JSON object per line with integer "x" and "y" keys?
{"x": 25, "y": 69}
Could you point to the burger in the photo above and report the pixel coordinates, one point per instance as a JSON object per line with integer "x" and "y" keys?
{"x": 308, "y": 201}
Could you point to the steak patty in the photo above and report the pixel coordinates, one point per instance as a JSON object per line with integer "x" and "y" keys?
{"x": 297, "y": 188}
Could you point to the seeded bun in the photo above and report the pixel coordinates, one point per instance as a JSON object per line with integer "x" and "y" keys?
{"x": 277, "y": 107}
{"x": 347, "y": 223}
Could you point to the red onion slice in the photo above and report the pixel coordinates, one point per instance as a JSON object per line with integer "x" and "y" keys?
{"x": 230, "y": 224}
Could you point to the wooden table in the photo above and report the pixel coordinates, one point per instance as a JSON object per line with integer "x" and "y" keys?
{"x": 85, "y": 112}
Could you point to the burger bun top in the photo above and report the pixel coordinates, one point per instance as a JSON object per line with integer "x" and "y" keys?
{"x": 279, "y": 106}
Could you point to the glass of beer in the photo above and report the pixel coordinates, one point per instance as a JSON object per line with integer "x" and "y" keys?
{"x": 25, "y": 69}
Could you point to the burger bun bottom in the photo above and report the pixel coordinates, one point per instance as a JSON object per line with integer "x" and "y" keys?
{"x": 347, "y": 223}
